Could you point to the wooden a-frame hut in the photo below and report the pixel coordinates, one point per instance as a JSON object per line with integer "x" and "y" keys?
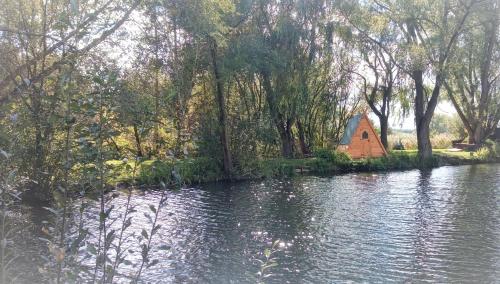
{"x": 360, "y": 139}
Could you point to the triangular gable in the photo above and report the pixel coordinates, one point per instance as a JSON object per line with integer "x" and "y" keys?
{"x": 352, "y": 126}
{"x": 374, "y": 133}
{"x": 353, "y": 129}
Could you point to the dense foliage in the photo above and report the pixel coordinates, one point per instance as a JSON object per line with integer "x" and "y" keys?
{"x": 173, "y": 92}
{"x": 227, "y": 84}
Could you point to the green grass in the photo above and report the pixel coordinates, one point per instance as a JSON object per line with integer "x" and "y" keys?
{"x": 203, "y": 169}
{"x": 446, "y": 153}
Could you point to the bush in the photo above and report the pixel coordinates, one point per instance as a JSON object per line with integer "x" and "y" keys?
{"x": 279, "y": 167}
{"x": 154, "y": 172}
{"x": 187, "y": 171}
{"x": 323, "y": 166}
{"x": 489, "y": 151}
{"x": 396, "y": 160}
{"x": 332, "y": 156}
{"x": 402, "y": 160}
{"x": 327, "y": 160}
{"x": 196, "y": 170}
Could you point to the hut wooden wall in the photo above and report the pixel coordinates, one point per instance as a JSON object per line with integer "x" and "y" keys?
{"x": 371, "y": 147}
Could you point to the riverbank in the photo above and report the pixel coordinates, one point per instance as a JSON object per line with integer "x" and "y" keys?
{"x": 325, "y": 162}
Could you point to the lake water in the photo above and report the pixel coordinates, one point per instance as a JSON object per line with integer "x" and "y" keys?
{"x": 414, "y": 226}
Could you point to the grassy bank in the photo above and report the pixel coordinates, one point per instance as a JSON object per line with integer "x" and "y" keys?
{"x": 200, "y": 170}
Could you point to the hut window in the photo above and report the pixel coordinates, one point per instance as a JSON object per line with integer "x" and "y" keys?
{"x": 364, "y": 135}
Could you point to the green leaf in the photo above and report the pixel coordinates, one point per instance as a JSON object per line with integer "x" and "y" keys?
{"x": 144, "y": 252}
{"x": 155, "y": 229}
{"x": 144, "y": 234}
{"x": 110, "y": 237}
{"x": 152, "y": 208}
{"x": 91, "y": 248}
{"x": 164, "y": 247}
{"x": 154, "y": 262}
{"x": 127, "y": 223}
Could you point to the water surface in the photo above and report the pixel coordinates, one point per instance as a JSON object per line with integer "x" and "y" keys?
{"x": 414, "y": 226}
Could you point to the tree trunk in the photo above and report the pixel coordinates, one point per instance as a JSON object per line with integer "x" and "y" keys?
{"x": 286, "y": 137}
{"x": 302, "y": 139}
{"x": 39, "y": 156}
{"x": 156, "y": 90}
{"x": 478, "y": 135}
{"x": 283, "y": 126}
{"x": 178, "y": 139}
{"x": 422, "y": 120}
{"x": 424, "y": 142}
{"x": 227, "y": 163}
{"x": 138, "y": 142}
{"x": 384, "y": 127}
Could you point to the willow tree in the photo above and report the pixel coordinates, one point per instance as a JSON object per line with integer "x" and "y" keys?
{"x": 473, "y": 86}
{"x": 325, "y": 59}
{"x": 379, "y": 94}
{"x": 428, "y": 32}
{"x": 380, "y": 76}
{"x": 430, "y": 45}
{"x": 208, "y": 23}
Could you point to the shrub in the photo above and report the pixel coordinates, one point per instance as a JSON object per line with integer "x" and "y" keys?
{"x": 402, "y": 160}
{"x": 186, "y": 171}
{"x": 396, "y": 160}
{"x": 278, "y": 167}
{"x": 323, "y": 153}
{"x": 327, "y": 160}
{"x": 489, "y": 151}
{"x": 196, "y": 170}
{"x": 378, "y": 164}
{"x": 155, "y": 172}
{"x": 323, "y": 166}
{"x": 332, "y": 156}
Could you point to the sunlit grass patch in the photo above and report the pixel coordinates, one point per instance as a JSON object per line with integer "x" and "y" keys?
{"x": 205, "y": 169}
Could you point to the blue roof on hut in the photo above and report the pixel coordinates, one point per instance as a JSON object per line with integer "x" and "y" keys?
{"x": 350, "y": 129}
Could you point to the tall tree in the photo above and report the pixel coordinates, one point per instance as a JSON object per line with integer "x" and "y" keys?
{"x": 45, "y": 37}
{"x": 379, "y": 94}
{"x": 473, "y": 86}
{"x": 428, "y": 31}
{"x": 208, "y": 23}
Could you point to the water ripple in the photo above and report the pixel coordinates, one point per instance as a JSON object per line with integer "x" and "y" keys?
{"x": 433, "y": 226}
